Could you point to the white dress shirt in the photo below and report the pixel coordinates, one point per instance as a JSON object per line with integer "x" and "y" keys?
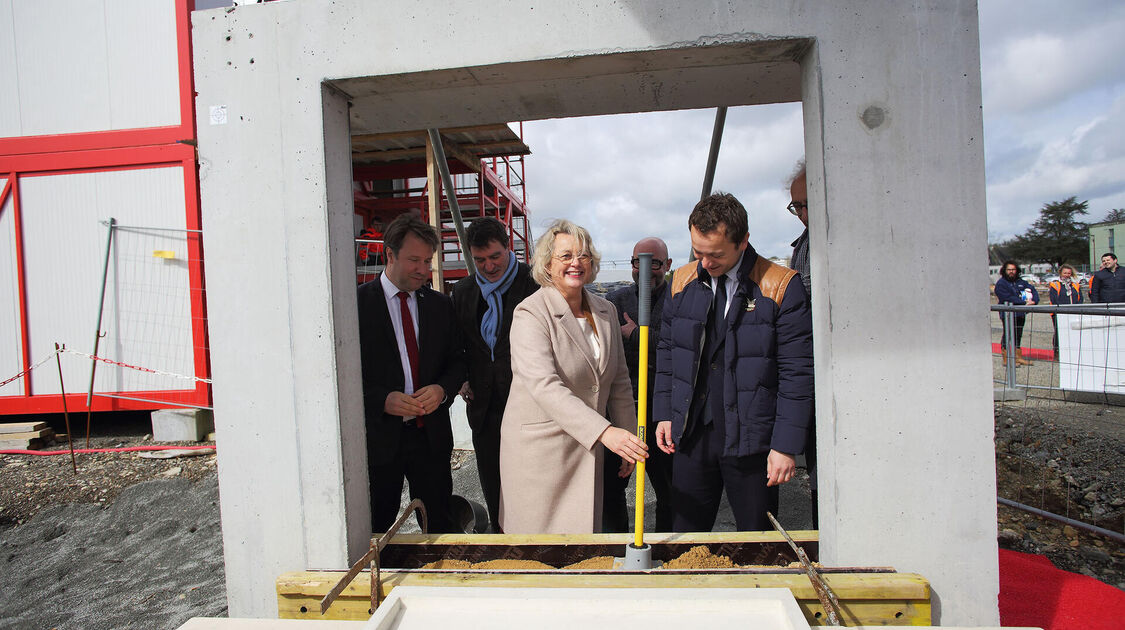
{"x": 731, "y": 278}
{"x": 390, "y": 292}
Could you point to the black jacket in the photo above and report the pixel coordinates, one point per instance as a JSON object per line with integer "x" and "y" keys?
{"x": 487, "y": 377}
{"x": 625, "y": 299}
{"x": 1108, "y": 286}
{"x": 440, "y": 361}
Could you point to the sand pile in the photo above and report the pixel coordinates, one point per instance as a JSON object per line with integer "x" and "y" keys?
{"x": 698, "y": 557}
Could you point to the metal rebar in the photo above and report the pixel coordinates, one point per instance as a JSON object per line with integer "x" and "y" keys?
{"x": 66, "y": 416}
{"x": 824, "y": 593}
{"x": 1093, "y": 529}
{"x": 372, "y": 558}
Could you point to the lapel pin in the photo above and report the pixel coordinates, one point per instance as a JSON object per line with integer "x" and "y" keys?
{"x": 750, "y": 305}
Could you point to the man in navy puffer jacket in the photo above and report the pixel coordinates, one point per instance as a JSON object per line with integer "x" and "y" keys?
{"x": 733, "y": 394}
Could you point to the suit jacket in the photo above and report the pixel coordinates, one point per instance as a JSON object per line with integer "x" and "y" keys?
{"x": 490, "y": 378}
{"x": 440, "y": 361}
{"x": 550, "y": 457}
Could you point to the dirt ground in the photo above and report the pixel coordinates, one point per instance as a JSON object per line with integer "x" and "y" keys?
{"x": 136, "y": 543}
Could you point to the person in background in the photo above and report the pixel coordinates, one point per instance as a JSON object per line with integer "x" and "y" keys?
{"x": 412, "y": 366}
{"x": 799, "y": 261}
{"x": 1063, "y": 291}
{"x": 484, "y": 303}
{"x": 568, "y": 370}
{"x": 1012, "y": 289}
{"x": 371, "y": 253}
{"x": 658, "y": 466}
{"x": 1108, "y": 283}
{"x": 734, "y": 374}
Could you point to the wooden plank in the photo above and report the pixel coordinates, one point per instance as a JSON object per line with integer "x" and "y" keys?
{"x": 433, "y": 200}
{"x": 453, "y": 149}
{"x": 420, "y": 134}
{"x": 28, "y": 435}
{"x": 898, "y": 599}
{"x": 22, "y": 427}
{"x": 22, "y": 445}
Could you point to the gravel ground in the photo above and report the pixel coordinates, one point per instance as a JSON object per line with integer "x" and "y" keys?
{"x": 129, "y": 542}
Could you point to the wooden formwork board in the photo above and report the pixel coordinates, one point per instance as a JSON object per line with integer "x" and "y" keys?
{"x": 867, "y": 596}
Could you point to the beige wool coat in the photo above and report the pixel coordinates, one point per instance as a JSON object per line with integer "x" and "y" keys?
{"x": 550, "y": 456}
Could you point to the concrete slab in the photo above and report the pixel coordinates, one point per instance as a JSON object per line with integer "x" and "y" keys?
{"x": 567, "y": 608}
{"x": 1008, "y": 394}
{"x": 182, "y": 425}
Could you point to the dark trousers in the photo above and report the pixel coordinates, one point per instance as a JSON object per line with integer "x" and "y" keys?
{"x": 658, "y": 469}
{"x": 1018, "y": 322}
{"x": 699, "y": 475}
{"x": 486, "y": 445}
{"x": 428, "y": 474}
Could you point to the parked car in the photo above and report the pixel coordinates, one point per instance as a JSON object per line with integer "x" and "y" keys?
{"x": 1051, "y": 278}
{"x": 1032, "y": 278}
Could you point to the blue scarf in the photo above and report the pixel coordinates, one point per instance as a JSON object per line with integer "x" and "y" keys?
{"x": 493, "y": 292}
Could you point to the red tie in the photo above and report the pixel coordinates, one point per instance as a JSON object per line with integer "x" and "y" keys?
{"x": 411, "y": 340}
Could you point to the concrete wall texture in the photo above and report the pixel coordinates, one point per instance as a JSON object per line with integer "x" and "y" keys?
{"x": 893, "y": 136}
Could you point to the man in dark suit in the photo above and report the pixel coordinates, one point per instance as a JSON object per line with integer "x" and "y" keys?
{"x": 412, "y": 368}
{"x": 484, "y": 303}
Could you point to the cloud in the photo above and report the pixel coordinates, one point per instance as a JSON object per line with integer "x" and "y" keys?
{"x": 629, "y": 176}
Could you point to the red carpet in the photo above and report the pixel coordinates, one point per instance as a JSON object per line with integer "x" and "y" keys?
{"x": 1041, "y": 354}
{"x": 1034, "y": 593}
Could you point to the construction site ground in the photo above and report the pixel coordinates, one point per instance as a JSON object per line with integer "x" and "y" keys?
{"x": 132, "y": 542}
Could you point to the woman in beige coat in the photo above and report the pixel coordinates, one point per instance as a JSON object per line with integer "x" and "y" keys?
{"x": 568, "y": 368}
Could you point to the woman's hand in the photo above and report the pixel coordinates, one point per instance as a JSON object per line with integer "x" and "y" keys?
{"x": 627, "y": 446}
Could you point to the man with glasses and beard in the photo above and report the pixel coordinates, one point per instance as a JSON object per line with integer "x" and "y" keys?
{"x": 659, "y": 464}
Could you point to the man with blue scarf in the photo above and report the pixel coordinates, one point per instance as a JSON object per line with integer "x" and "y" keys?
{"x": 484, "y": 303}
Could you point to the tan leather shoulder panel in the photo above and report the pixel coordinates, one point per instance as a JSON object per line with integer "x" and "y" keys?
{"x": 772, "y": 279}
{"x": 683, "y": 275}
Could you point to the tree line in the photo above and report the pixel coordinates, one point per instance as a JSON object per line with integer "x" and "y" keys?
{"x": 1058, "y": 236}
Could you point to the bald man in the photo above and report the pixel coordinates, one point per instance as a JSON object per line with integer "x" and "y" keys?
{"x": 659, "y": 464}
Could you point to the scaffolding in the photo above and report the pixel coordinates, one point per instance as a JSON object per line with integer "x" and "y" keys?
{"x": 398, "y": 172}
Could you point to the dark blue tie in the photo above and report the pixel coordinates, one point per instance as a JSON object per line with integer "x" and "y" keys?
{"x": 715, "y": 328}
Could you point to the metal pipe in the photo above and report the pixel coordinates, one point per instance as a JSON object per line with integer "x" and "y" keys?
{"x": 713, "y": 154}
{"x": 1009, "y": 349}
{"x": 150, "y": 400}
{"x": 1093, "y": 529}
{"x": 98, "y": 328}
{"x": 451, "y": 195}
{"x": 1070, "y": 309}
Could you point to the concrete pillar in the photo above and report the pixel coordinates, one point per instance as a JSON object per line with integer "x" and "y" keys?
{"x": 893, "y": 137}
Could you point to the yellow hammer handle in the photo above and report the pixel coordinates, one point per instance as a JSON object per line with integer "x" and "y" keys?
{"x": 642, "y": 429}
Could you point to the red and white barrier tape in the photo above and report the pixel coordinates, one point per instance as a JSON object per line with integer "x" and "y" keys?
{"x": 137, "y": 367}
{"x": 103, "y": 360}
{"x": 20, "y": 375}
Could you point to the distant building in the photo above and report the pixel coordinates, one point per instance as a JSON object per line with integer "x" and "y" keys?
{"x": 1102, "y": 240}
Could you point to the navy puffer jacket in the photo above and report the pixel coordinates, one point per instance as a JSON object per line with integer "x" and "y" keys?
{"x": 768, "y": 376}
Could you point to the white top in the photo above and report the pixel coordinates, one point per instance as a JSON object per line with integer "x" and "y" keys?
{"x": 390, "y": 292}
{"x": 732, "y": 282}
{"x": 591, "y": 336}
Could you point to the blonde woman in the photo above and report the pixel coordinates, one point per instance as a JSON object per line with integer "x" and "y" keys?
{"x": 568, "y": 370}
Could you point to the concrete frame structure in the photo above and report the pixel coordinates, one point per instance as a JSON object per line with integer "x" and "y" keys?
{"x": 893, "y": 137}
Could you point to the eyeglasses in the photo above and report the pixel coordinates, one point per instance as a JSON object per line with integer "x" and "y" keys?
{"x": 796, "y": 206}
{"x": 656, "y": 264}
{"x": 566, "y": 258}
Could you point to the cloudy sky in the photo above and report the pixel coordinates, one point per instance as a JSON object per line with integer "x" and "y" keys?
{"x": 1054, "y": 116}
